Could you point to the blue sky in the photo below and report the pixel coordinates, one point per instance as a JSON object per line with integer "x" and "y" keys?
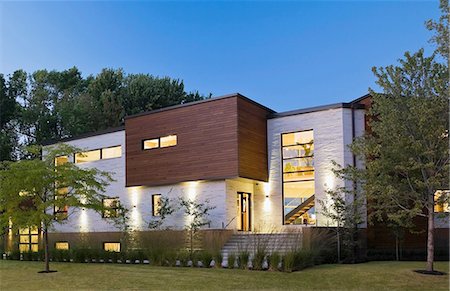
{"x": 285, "y": 55}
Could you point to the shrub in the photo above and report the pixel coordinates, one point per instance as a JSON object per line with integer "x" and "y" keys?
{"x": 218, "y": 257}
{"x": 243, "y": 259}
{"x": 259, "y": 260}
{"x": 274, "y": 260}
{"x": 298, "y": 260}
{"x": 231, "y": 260}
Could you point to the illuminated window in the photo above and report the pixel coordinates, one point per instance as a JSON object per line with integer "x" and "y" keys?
{"x": 151, "y": 144}
{"x": 112, "y": 152}
{"x": 61, "y": 160}
{"x": 111, "y": 247}
{"x": 112, "y": 205}
{"x": 62, "y": 245}
{"x": 168, "y": 141}
{"x": 161, "y": 142}
{"x": 156, "y": 204}
{"x": 298, "y": 177}
{"x": 28, "y": 239}
{"x": 441, "y": 201}
{"x": 88, "y": 156}
{"x": 61, "y": 211}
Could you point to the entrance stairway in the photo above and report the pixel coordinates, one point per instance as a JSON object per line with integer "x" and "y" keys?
{"x": 269, "y": 243}
{"x": 299, "y": 210}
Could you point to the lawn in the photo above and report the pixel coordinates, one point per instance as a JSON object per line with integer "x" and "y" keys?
{"x": 16, "y": 275}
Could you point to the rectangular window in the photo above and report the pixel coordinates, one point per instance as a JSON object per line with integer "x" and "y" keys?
{"x": 112, "y": 205}
{"x": 112, "y": 152}
{"x": 297, "y": 149}
{"x": 150, "y": 144}
{"x": 62, "y": 245}
{"x": 168, "y": 141}
{"x": 88, "y": 156}
{"x": 160, "y": 142}
{"x": 61, "y": 210}
{"x": 441, "y": 201}
{"x": 111, "y": 247}
{"x": 156, "y": 204}
{"x": 61, "y": 160}
{"x": 28, "y": 239}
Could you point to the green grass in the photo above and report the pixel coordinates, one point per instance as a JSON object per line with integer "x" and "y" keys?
{"x": 16, "y": 275}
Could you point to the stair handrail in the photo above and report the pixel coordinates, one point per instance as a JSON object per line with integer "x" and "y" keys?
{"x": 224, "y": 227}
{"x": 300, "y": 207}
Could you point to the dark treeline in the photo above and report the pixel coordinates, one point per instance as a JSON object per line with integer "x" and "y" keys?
{"x": 47, "y": 105}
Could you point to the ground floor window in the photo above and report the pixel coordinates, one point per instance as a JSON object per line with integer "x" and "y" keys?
{"x": 297, "y": 150}
{"x": 28, "y": 239}
{"x": 111, "y": 246}
{"x": 62, "y": 245}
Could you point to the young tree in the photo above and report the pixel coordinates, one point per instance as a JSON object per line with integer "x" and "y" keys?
{"x": 345, "y": 207}
{"x": 197, "y": 214}
{"x": 407, "y": 153}
{"x": 32, "y": 191}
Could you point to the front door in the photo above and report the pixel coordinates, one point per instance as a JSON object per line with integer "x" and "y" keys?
{"x": 243, "y": 211}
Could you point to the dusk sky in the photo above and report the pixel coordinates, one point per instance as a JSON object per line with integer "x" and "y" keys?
{"x": 285, "y": 55}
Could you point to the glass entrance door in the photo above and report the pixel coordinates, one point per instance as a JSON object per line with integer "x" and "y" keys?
{"x": 244, "y": 212}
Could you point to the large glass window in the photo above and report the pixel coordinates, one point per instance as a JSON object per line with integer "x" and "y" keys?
{"x": 28, "y": 239}
{"x": 112, "y": 205}
{"x": 298, "y": 177}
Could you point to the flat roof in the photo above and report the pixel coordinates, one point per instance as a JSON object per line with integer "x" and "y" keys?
{"x": 273, "y": 114}
{"x": 315, "y": 109}
{"x": 84, "y": 135}
{"x": 200, "y": 102}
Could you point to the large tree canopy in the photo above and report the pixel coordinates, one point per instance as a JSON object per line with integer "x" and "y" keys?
{"x": 47, "y": 105}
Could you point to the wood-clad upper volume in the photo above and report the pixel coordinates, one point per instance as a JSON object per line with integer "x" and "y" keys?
{"x": 218, "y": 138}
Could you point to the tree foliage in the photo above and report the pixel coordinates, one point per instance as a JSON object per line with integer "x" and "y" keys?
{"x": 31, "y": 191}
{"x": 50, "y": 105}
{"x": 345, "y": 206}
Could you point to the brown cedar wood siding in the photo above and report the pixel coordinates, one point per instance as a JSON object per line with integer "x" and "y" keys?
{"x": 252, "y": 141}
{"x": 207, "y": 146}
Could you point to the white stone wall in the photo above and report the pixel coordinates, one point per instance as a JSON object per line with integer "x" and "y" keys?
{"x": 332, "y": 134}
{"x": 138, "y": 200}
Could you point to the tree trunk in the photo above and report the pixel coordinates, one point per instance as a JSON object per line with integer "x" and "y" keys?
{"x": 338, "y": 247}
{"x": 397, "y": 257}
{"x": 430, "y": 240}
{"x": 46, "y": 258}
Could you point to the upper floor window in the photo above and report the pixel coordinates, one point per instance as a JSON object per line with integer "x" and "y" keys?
{"x": 160, "y": 142}
{"x": 88, "y": 156}
{"x": 99, "y": 154}
{"x": 112, "y": 152}
{"x": 441, "y": 201}
{"x": 61, "y": 160}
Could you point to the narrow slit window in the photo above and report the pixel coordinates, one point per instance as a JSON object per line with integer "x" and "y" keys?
{"x": 88, "y": 156}
{"x": 156, "y": 203}
{"x": 150, "y": 144}
{"x": 112, "y": 152}
{"x": 168, "y": 141}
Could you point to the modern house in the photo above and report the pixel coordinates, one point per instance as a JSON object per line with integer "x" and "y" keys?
{"x": 262, "y": 170}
